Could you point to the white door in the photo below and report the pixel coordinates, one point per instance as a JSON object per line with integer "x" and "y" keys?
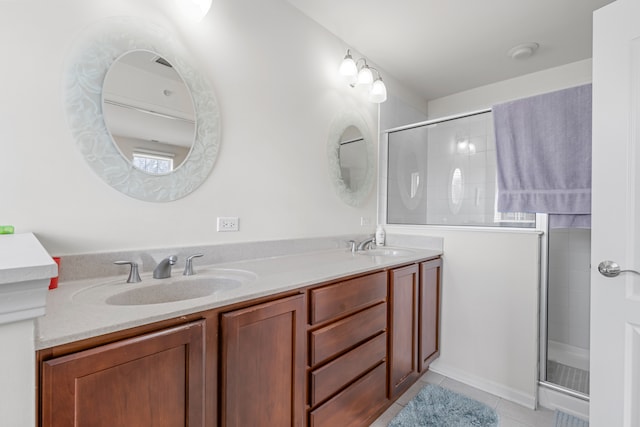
{"x": 615, "y": 301}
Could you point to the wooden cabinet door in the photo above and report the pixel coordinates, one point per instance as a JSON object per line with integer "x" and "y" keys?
{"x": 403, "y": 328}
{"x": 156, "y": 379}
{"x": 263, "y": 364}
{"x": 429, "y": 343}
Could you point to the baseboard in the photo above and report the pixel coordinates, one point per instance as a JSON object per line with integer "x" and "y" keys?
{"x": 556, "y": 400}
{"x": 500, "y": 390}
{"x": 568, "y": 355}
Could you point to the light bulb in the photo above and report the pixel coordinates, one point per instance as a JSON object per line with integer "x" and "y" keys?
{"x": 463, "y": 146}
{"x": 195, "y": 9}
{"x": 378, "y": 92}
{"x": 348, "y": 67}
{"x": 365, "y": 76}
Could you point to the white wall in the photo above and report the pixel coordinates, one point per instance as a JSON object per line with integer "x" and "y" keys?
{"x": 574, "y": 74}
{"x": 489, "y": 329}
{"x": 490, "y": 294}
{"x": 274, "y": 74}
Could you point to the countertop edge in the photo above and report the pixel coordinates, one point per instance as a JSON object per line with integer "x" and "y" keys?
{"x": 60, "y": 325}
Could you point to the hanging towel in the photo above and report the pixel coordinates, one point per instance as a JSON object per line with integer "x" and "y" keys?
{"x": 543, "y": 146}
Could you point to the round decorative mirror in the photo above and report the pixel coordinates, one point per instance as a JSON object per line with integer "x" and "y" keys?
{"x": 351, "y": 158}
{"x": 148, "y": 111}
{"x": 105, "y": 106}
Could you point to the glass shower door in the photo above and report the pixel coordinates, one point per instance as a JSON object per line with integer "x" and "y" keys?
{"x": 568, "y": 306}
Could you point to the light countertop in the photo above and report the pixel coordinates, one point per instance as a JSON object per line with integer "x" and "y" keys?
{"x": 70, "y": 317}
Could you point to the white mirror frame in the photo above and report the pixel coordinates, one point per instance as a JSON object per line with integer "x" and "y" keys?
{"x": 336, "y": 129}
{"x": 103, "y": 44}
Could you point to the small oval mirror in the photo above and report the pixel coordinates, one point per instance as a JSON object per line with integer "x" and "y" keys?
{"x": 149, "y": 112}
{"x": 352, "y": 157}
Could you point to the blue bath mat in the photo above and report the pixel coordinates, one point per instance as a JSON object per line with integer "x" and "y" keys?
{"x": 435, "y": 406}
{"x": 565, "y": 420}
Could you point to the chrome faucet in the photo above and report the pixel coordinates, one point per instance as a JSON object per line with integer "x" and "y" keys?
{"x": 188, "y": 265}
{"x": 163, "y": 269}
{"x": 366, "y": 243}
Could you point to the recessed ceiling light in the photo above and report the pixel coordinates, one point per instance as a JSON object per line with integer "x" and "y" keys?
{"x": 523, "y": 51}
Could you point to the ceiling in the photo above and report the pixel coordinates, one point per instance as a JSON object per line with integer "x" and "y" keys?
{"x": 441, "y": 47}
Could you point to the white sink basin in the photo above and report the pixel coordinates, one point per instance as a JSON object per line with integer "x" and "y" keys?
{"x": 387, "y": 252}
{"x": 161, "y": 291}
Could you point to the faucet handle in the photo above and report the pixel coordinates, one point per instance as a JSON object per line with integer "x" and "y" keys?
{"x": 352, "y": 245}
{"x": 134, "y": 276}
{"x": 188, "y": 266}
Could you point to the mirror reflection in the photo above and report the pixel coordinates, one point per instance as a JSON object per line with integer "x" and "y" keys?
{"x": 149, "y": 112}
{"x": 352, "y": 157}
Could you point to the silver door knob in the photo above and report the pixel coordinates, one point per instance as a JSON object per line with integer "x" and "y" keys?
{"x": 612, "y": 269}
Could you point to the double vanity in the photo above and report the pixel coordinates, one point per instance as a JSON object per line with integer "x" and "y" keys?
{"x": 319, "y": 338}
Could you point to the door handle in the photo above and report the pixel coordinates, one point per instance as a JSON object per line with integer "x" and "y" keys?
{"x": 612, "y": 269}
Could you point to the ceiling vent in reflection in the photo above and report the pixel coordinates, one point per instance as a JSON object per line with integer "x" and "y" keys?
{"x": 160, "y": 60}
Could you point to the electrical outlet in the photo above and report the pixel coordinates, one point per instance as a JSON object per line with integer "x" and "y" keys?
{"x": 365, "y": 221}
{"x": 227, "y": 223}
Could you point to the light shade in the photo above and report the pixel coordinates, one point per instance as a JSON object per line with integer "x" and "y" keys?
{"x": 348, "y": 67}
{"x": 195, "y": 9}
{"x": 378, "y": 92}
{"x": 365, "y": 76}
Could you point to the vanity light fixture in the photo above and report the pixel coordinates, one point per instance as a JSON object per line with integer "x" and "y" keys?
{"x": 196, "y": 9}
{"x": 363, "y": 76}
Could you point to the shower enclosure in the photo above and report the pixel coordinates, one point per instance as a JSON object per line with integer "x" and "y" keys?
{"x": 443, "y": 173}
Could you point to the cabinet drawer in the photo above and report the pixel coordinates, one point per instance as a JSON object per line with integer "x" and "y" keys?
{"x": 339, "y": 336}
{"x": 356, "y": 404}
{"x": 330, "y": 378}
{"x": 335, "y": 300}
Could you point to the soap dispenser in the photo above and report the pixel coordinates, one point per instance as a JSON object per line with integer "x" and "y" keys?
{"x": 380, "y": 236}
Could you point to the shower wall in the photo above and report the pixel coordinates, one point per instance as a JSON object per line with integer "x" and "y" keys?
{"x": 569, "y": 296}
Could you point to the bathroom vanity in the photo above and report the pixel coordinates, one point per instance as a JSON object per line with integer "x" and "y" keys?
{"x": 318, "y": 339}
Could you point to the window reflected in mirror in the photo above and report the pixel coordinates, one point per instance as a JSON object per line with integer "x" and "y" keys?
{"x": 153, "y": 164}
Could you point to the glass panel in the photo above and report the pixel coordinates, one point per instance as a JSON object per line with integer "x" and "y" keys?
{"x": 444, "y": 173}
{"x": 568, "y": 303}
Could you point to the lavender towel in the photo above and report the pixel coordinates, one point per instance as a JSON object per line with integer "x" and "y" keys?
{"x": 543, "y": 146}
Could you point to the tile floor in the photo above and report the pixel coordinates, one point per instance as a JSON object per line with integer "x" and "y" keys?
{"x": 568, "y": 376}
{"x": 511, "y": 414}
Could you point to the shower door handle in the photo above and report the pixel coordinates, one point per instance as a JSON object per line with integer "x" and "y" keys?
{"x": 612, "y": 269}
